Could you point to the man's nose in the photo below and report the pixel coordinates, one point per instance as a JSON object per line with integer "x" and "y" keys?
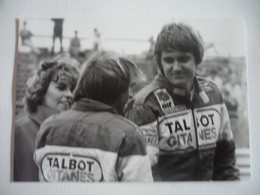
{"x": 176, "y": 66}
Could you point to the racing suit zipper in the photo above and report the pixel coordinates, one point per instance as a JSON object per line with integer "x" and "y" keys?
{"x": 196, "y": 177}
{"x": 190, "y": 104}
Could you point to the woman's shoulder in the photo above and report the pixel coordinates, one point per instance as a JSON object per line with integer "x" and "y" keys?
{"x": 22, "y": 119}
{"x": 24, "y": 123}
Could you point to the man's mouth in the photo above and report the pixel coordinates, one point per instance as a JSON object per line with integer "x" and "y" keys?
{"x": 179, "y": 76}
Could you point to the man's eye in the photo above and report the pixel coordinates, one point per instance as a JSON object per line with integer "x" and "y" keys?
{"x": 168, "y": 60}
{"x": 184, "y": 59}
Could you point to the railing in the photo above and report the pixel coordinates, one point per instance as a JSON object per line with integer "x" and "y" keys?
{"x": 243, "y": 162}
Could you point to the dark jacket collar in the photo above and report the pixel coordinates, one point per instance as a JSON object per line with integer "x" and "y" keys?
{"x": 85, "y": 104}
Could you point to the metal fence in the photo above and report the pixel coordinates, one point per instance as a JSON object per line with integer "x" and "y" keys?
{"x": 243, "y": 162}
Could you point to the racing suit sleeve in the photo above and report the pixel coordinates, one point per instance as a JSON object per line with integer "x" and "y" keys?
{"x": 145, "y": 118}
{"x": 225, "y": 160}
{"x": 133, "y": 162}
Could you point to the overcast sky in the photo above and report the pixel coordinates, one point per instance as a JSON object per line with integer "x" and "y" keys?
{"x": 228, "y": 35}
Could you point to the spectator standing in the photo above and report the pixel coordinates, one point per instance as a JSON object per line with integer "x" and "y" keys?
{"x": 26, "y": 38}
{"x": 75, "y": 45}
{"x": 57, "y": 32}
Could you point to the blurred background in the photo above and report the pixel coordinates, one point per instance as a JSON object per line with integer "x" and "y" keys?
{"x": 224, "y": 59}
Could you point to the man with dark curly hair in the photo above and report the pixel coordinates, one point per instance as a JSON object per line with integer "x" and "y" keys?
{"x": 48, "y": 92}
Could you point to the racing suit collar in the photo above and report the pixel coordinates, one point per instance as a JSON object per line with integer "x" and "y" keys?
{"x": 176, "y": 90}
{"x": 182, "y": 92}
{"x": 85, "y": 104}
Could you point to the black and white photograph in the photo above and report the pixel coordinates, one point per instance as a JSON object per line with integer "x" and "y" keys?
{"x": 129, "y": 97}
{"x": 99, "y": 102}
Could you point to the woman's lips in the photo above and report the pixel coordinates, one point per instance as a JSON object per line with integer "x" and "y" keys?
{"x": 67, "y": 103}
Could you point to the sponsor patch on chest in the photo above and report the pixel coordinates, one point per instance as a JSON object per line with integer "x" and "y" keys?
{"x": 187, "y": 130}
{"x": 208, "y": 125}
{"x": 166, "y": 102}
{"x": 176, "y": 132}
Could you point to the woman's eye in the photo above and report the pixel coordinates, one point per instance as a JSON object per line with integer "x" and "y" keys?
{"x": 132, "y": 84}
{"x": 62, "y": 86}
{"x": 184, "y": 59}
{"x": 168, "y": 60}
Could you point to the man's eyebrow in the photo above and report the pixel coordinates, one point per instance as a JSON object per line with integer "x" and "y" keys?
{"x": 168, "y": 57}
{"x": 183, "y": 55}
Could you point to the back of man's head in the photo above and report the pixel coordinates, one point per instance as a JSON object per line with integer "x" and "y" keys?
{"x": 104, "y": 78}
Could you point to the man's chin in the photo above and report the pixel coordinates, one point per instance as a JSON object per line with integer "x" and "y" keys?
{"x": 179, "y": 84}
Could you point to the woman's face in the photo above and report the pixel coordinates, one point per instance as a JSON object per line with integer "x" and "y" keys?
{"x": 58, "y": 96}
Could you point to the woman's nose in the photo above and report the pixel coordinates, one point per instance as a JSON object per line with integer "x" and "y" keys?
{"x": 68, "y": 93}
